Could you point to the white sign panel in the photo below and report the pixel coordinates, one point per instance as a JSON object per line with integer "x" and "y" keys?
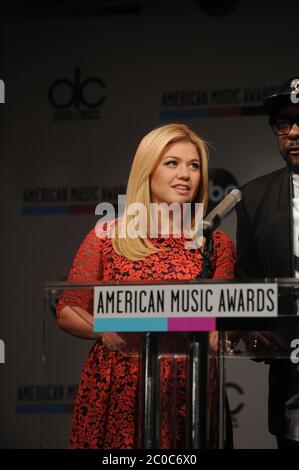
{"x": 193, "y": 300}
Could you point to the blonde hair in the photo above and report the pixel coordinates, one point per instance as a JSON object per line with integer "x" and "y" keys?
{"x": 145, "y": 161}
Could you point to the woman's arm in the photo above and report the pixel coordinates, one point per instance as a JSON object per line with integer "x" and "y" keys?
{"x": 77, "y": 322}
{"x": 73, "y": 309}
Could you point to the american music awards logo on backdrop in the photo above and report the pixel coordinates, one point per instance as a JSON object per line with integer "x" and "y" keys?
{"x": 77, "y": 96}
{"x": 66, "y": 200}
{"x": 74, "y": 200}
{"x": 46, "y": 399}
{"x": 213, "y": 102}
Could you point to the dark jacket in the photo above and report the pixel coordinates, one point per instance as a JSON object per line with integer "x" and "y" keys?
{"x": 265, "y": 249}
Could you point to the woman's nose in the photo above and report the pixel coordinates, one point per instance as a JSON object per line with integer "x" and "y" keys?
{"x": 183, "y": 172}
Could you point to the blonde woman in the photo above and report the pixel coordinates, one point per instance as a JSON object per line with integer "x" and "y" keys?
{"x": 170, "y": 166}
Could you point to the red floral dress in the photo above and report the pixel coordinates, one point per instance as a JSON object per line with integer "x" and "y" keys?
{"x": 105, "y": 414}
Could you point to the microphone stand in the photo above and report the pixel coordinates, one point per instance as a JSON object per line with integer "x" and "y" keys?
{"x": 197, "y": 383}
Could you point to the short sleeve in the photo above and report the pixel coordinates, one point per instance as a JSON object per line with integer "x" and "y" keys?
{"x": 225, "y": 256}
{"x": 87, "y": 267}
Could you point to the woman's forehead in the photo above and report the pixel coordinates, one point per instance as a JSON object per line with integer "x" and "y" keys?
{"x": 181, "y": 149}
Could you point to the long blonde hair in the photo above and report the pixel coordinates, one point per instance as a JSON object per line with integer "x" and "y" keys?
{"x": 145, "y": 161}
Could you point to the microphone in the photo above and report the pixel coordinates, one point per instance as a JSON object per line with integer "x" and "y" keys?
{"x": 213, "y": 219}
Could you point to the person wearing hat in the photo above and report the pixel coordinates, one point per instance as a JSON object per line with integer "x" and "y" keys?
{"x": 268, "y": 246}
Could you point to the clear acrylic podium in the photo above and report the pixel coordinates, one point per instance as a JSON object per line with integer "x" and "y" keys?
{"x": 182, "y": 382}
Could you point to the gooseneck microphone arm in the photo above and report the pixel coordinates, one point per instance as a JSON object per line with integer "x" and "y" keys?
{"x": 198, "y": 342}
{"x": 211, "y": 222}
{"x": 214, "y": 218}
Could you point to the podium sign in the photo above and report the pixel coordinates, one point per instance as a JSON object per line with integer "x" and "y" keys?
{"x": 182, "y": 376}
{"x": 179, "y": 307}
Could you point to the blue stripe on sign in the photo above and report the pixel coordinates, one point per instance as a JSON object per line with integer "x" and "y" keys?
{"x": 184, "y": 113}
{"x": 130, "y": 324}
{"x": 38, "y": 408}
{"x": 45, "y": 210}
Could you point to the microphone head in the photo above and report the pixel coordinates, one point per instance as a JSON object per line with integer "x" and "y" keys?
{"x": 214, "y": 218}
{"x": 226, "y": 205}
{"x": 236, "y": 193}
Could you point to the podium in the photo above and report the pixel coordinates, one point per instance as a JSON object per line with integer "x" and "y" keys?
{"x": 182, "y": 399}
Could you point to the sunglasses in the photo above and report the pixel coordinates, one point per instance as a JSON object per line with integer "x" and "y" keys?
{"x": 281, "y": 125}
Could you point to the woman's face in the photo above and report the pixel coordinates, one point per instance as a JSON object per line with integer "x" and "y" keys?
{"x": 177, "y": 176}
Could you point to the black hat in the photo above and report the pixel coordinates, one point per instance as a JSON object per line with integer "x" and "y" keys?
{"x": 281, "y": 97}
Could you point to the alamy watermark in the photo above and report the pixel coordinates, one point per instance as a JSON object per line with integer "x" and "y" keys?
{"x": 295, "y": 91}
{"x": 295, "y": 352}
{"x": 2, "y": 352}
{"x": 2, "y": 91}
{"x": 156, "y": 219}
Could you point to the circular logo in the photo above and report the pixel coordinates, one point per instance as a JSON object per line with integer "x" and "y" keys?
{"x": 64, "y": 93}
{"x": 221, "y": 182}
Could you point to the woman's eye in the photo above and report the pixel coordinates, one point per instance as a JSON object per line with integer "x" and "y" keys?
{"x": 171, "y": 163}
{"x": 195, "y": 165}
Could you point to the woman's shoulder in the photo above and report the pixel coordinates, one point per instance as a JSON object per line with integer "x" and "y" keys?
{"x": 105, "y": 228}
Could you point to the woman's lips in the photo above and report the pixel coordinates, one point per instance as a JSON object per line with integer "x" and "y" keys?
{"x": 181, "y": 188}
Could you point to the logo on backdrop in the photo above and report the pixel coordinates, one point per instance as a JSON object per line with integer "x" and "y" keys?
{"x": 221, "y": 182}
{"x": 77, "y": 97}
{"x": 50, "y": 398}
{"x": 55, "y": 200}
{"x": 213, "y": 102}
{"x": 65, "y": 200}
{"x": 2, "y": 91}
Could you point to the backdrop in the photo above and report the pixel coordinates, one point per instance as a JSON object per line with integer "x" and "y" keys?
{"x": 82, "y": 87}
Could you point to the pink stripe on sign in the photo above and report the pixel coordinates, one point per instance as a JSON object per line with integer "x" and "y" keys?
{"x": 191, "y": 324}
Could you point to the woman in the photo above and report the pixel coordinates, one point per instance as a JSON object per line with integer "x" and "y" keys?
{"x": 170, "y": 166}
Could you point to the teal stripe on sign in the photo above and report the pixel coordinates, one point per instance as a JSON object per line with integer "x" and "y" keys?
{"x": 130, "y": 324}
